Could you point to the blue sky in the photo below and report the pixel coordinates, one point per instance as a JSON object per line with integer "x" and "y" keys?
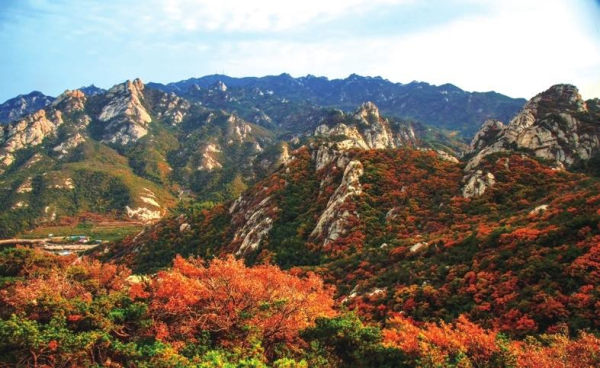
{"x": 515, "y": 47}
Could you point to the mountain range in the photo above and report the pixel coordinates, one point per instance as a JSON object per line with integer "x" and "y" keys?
{"x": 506, "y": 235}
{"x": 445, "y": 106}
{"x": 197, "y": 139}
{"x": 346, "y": 223}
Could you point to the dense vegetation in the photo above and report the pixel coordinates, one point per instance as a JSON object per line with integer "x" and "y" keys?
{"x": 68, "y": 311}
{"x": 416, "y": 246}
{"x": 376, "y": 259}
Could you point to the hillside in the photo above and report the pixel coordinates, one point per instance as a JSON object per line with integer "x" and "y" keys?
{"x": 126, "y": 153}
{"x": 343, "y": 239}
{"x": 510, "y": 242}
{"x": 133, "y": 152}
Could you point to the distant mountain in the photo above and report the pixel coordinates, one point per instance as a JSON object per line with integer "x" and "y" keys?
{"x": 92, "y": 90}
{"x": 147, "y": 148}
{"x": 445, "y": 106}
{"x": 22, "y": 105}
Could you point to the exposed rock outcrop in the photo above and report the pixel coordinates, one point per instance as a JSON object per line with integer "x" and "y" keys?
{"x": 331, "y": 222}
{"x": 143, "y": 214}
{"x": 256, "y": 220}
{"x": 237, "y": 129}
{"x": 476, "y": 183}
{"x": 446, "y": 156}
{"x": 27, "y": 132}
{"x": 25, "y": 187}
{"x": 209, "y": 160}
{"x": 555, "y": 125}
{"x": 148, "y": 197}
{"x": 171, "y": 108}
{"x": 66, "y": 146}
{"x": 539, "y": 209}
{"x": 125, "y": 113}
{"x": 366, "y": 129}
{"x": 70, "y": 101}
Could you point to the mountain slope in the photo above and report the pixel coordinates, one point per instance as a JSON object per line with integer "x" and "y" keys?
{"x": 390, "y": 226}
{"x": 142, "y": 147}
{"x": 52, "y": 167}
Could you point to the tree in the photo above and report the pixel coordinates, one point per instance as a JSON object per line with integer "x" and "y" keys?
{"x": 344, "y": 341}
{"x": 237, "y": 305}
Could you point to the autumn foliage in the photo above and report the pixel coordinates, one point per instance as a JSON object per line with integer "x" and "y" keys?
{"x": 466, "y": 344}
{"x": 236, "y": 304}
{"x": 69, "y": 311}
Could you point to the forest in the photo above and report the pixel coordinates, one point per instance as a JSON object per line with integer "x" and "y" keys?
{"x": 64, "y": 311}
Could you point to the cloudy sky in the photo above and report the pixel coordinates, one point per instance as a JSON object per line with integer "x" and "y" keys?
{"x": 515, "y": 47}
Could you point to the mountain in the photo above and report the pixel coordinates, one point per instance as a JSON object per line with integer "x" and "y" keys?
{"x": 131, "y": 152}
{"x": 22, "y": 105}
{"x": 92, "y": 90}
{"x": 52, "y": 166}
{"x": 445, "y": 106}
{"x": 399, "y": 226}
{"x": 556, "y": 125}
{"x": 286, "y": 233}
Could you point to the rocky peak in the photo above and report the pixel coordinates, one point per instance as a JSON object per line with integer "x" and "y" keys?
{"x": 70, "y": 101}
{"x": 125, "y": 112}
{"x": 367, "y": 112}
{"x": 564, "y": 97}
{"x": 92, "y": 90}
{"x": 365, "y": 129}
{"x": 128, "y": 88}
{"x": 26, "y": 132}
{"x": 555, "y": 125}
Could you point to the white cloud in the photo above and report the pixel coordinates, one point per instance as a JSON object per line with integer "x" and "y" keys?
{"x": 261, "y": 15}
{"x": 519, "y": 49}
{"x": 516, "y": 47}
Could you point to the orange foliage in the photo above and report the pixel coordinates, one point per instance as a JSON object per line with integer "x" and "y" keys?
{"x": 437, "y": 343}
{"x": 233, "y": 302}
{"x": 466, "y": 344}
